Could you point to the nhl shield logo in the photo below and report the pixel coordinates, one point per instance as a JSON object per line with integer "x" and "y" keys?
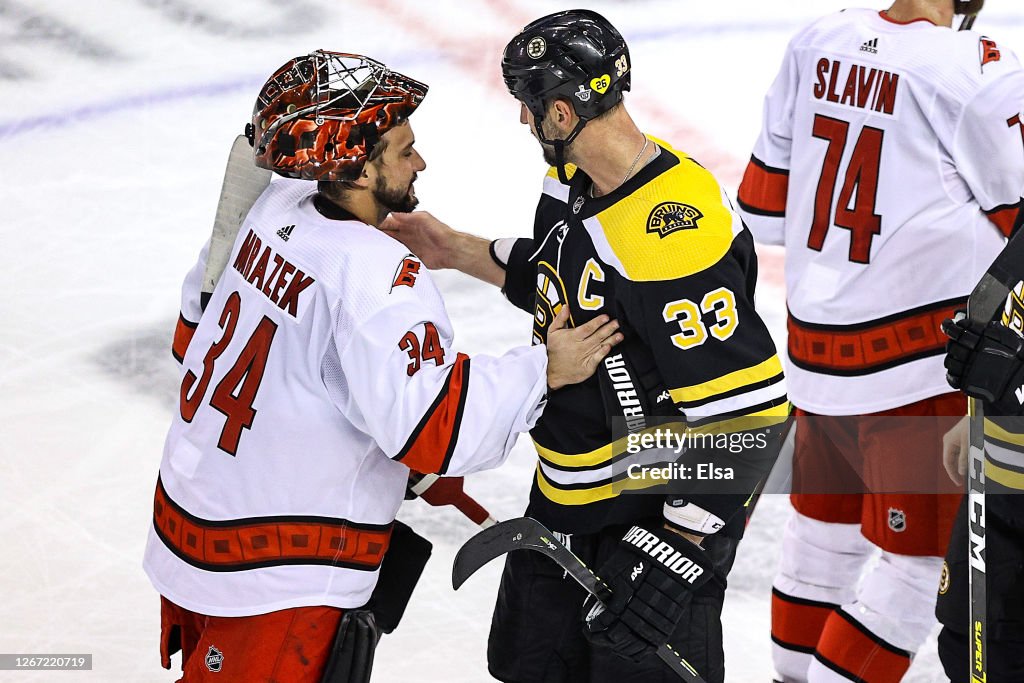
{"x": 897, "y": 520}
{"x": 214, "y": 659}
{"x": 668, "y": 217}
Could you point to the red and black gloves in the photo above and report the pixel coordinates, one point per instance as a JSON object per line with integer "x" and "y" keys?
{"x": 986, "y": 362}
{"x": 653, "y": 575}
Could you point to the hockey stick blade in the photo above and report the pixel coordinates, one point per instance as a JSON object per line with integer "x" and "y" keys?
{"x": 243, "y": 183}
{"x": 526, "y": 533}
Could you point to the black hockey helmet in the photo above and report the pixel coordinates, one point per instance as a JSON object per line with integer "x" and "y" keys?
{"x": 968, "y": 9}
{"x": 576, "y": 55}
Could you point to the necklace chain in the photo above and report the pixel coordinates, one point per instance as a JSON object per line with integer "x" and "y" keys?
{"x": 640, "y": 154}
{"x": 636, "y": 161}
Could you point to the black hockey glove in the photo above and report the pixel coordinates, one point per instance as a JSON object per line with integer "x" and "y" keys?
{"x": 986, "y": 362}
{"x": 652, "y": 575}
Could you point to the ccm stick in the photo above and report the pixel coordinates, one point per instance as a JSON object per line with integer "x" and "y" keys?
{"x": 526, "y": 533}
{"x": 985, "y": 302}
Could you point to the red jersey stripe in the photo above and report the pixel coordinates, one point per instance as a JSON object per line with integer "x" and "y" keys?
{"x": 430, "y": 446}
{"x": 183, "y": 333}
{"x": 764, "y": 189}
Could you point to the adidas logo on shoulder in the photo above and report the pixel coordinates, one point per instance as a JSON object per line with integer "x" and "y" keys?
{"x": 285, "y": 232}
{"x": 870, "y": 46}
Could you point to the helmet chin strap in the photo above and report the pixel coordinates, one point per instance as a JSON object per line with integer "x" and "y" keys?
{"x": 559, "y": 145}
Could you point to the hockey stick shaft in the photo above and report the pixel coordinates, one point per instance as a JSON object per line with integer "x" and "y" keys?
{"x": 976, "y": 542}
{"x": 475, "y": 511}
{"x": 984, "y": 303}
{"x": 525, "y": 533}
{"x": 436, "y": 490}
{"x": 243, "y": 184}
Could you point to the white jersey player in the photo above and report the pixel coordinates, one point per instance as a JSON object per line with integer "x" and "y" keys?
{"x": 321, "y": 372}
{"x": 891, "y": 166}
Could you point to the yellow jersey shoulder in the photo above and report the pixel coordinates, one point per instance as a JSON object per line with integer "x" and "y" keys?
{"x": 570, "y": 170}
{"x": 678, "y": 224}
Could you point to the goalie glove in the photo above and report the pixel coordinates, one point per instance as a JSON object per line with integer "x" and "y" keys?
{"x": 986, "y": 362}
{"x": 653, "y": 576}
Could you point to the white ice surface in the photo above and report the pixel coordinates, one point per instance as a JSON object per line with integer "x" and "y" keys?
{"x": 116, "y": 120}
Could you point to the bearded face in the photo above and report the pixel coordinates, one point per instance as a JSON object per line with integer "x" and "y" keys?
{"x": 397, "y": 198}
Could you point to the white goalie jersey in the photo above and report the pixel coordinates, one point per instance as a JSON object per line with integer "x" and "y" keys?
{"x": 320, "y": 373}
{"x": 892, "y": 183}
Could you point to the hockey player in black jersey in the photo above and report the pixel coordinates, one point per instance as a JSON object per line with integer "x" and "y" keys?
{"x": 631, "y": 227}
{"x": 987, "y": 362}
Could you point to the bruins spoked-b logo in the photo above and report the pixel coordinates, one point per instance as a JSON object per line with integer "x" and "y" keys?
{"x": 214, "y": 659}
{"x": 536, "y": 47}
{"x": 669, "y": 217}
{"x": 944, "y": 579}
{"x": 550, "y": 299}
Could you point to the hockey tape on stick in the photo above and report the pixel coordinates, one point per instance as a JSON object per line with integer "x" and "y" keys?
{"x": 243, "y": 183}
{"x": 526, "y": 533}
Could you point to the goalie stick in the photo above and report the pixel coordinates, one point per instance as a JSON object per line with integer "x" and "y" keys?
{"x": 243, "y": 183}
{"x": 436, "y": 490}
{"x": 525, "y": 533}
{"x": 983, "y": 305}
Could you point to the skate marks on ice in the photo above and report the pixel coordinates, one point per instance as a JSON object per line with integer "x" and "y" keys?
{"x": 22, "y": 26}
{"x": 261, "y": 19}
{"x": 142, "y": 361}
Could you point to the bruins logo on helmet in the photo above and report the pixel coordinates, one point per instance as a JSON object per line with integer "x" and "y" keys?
{"x": 669, "y": 217}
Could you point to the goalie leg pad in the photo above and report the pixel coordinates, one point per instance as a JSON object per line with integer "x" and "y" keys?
{"x": 351, "y": 658}
{"x": 400, "y": 571}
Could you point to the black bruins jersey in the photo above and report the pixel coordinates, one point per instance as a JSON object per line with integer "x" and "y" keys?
{"x": 667, "y": 256}
{"x": 1004, "y": 435}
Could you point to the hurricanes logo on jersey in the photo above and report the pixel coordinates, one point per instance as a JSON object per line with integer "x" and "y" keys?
{"x": 669, "y": 217}
{"x": 989, "y": 51}
{"x": 406, "y": 274}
